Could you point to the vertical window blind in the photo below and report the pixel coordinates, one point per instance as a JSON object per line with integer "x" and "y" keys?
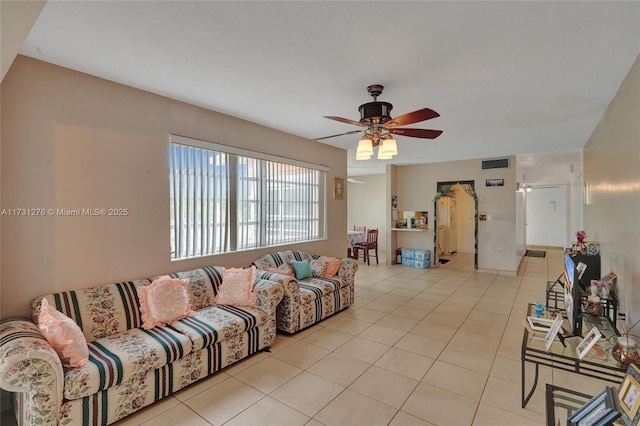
{"x": 224, "y": 199}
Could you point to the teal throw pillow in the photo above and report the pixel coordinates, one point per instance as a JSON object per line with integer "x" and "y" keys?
{"x": 302, "y": 269}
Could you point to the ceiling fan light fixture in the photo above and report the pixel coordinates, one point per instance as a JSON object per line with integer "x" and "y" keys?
{"x": 388, "y": 147}
{"x": 384, "y": 155}
{"x": 378, "y": 125}
{"x": 365, "y": 149}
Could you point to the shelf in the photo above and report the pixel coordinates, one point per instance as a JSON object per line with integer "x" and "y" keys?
{"x": 555, "y": 295}
{"x": 410, "y": 229}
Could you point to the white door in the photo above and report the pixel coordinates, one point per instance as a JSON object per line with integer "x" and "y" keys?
{"x": 547, "y": 216}
{"x": 442, "y": 239}
{"x": 443, "y": 211}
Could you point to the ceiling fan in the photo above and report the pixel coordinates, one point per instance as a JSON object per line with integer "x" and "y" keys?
{"x": 378, "y": 126}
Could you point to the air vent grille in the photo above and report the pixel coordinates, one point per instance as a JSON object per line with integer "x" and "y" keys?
{"x": 500, "y": 163}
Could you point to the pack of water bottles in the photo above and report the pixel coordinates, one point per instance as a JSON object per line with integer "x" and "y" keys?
{"x": 416, "y": 258}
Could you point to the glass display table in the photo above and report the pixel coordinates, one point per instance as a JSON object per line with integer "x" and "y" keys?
{"x": 564, "y": 357}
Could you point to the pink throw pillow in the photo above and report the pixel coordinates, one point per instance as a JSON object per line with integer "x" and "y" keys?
{"x": 64, "y": 335}
{"x": 163, "y": 301}
{"x": 237, "y": 287}
{"x": 283, "y": 269}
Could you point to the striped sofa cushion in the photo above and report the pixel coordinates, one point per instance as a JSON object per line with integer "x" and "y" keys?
{"x": 203, "y": 285}
{"x": 217, "y": 323}
{"x": 321, "y": 286}
{"x": 275, "y": 259}
{"x": 99, "y": 311}
{"x": 116, "y": 359}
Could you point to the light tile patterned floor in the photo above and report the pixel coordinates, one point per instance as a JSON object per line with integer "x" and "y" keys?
{"x": 419, "y": 347}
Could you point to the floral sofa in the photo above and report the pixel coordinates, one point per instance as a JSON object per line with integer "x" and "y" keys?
{"x": 310, "y": 300}
{"x": 129, "y": 367}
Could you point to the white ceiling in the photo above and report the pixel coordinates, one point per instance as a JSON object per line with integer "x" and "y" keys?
{"x": 506, "y": 77}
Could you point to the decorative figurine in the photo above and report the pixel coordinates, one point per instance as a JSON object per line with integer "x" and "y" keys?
{"x": 592, "y": 248}
{"x": 581, "y": 236}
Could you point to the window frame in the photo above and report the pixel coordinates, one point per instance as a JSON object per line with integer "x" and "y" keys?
{"x": 237, "y": 180}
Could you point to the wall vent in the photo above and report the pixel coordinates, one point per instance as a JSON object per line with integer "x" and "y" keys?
{"x": 500, "y": 163}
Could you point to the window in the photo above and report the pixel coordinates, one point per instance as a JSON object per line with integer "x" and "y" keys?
{"x": 224, "y": 199}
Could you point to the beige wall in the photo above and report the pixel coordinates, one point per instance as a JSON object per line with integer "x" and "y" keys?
{"x": 70, "y": 140}
{"x": 612, "y": 172}
{"x": 416, "y": 189}
{"x": 465, "y": 221}
{"x": 521, "y": 213}
{"x": 16, "y": 19}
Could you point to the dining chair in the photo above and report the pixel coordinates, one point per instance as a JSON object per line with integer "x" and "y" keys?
{"x": 367, "y": 246}
{"x": 351, "y": 251}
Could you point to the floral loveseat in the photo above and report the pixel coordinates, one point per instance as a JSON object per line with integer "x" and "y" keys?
{"x": 129, "y": 367}
{"x": 310, "y": 300}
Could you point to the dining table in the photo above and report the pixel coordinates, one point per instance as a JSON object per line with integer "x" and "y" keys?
{"x": 353, "y": 238}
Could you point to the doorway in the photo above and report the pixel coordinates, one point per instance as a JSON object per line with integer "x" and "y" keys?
{"x": 547, "y": 216}
{"x": 456, "y": 219}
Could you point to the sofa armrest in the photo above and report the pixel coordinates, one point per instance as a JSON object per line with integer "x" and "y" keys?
{"x": 29, "y": 364}
{"x": 288, "y": 311}
{"x": 289, "y": 283}
{"x": 268, "y": 294}
{"x": 347, "y": 272}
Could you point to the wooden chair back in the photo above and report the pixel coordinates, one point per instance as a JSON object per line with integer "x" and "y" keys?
{"x": 370, "y": 244}
{"x": 362, "y": 229}
{"x": 372, "y": 237}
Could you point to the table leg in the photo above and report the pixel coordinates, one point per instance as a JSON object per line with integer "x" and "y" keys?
{"x": 548, "y": 404}
{"x": 526, "y": 399}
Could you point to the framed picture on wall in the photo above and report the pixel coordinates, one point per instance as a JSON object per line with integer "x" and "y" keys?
{"x": 494, "y": 182}
{"x": 338, "y": 188}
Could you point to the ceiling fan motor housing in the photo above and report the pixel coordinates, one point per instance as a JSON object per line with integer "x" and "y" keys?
{"x": 375, "y": 112}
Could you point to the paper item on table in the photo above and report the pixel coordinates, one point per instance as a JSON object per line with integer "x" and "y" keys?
{"x": 581, "y": 267}
{"x": 553, "y": 331}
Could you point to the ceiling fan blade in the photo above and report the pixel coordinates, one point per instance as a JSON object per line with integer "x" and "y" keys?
{"x": 340, "y": 134}
{"x": 417, "y": 133}
{"x": 352, "y": 180}
{"x": 412, "y": 117}
{"x": 345, "y": 120}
